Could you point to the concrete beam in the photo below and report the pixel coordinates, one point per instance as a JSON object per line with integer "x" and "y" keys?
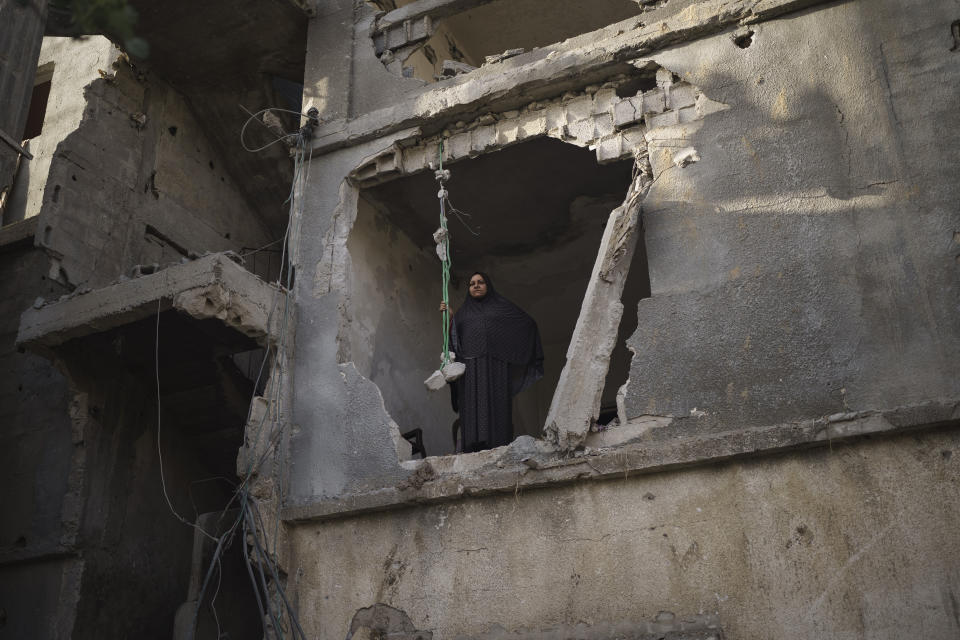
{"x": 502, "y": 470}
{"x": 17, "y": 233}
{"x": 210, "y": 287}
{"x": 543, "y": 73}
{"x": 415, "y": 22}
{"x": 434, "y": 8}
{"x": 576, "y": 401}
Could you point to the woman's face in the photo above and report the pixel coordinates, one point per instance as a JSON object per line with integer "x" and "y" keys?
{"x": 478, "y": 287}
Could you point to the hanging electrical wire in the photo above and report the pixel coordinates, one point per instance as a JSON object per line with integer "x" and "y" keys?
{"x": 449, "y": 370}
{"x": 249, "y": 521}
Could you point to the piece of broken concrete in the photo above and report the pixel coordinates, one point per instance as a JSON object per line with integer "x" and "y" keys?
{"x": 509, "y": 53}
{"x": 454, "y": 68}
{"x": 685, "y": 156}
{"x": 436, "y": 381}
{"x": 453, "y": 370}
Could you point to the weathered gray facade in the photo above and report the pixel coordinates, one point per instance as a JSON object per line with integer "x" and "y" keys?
{"x": 735, "y": 221}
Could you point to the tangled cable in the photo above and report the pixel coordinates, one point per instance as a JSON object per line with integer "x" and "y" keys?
{"x": 261, "y": 562}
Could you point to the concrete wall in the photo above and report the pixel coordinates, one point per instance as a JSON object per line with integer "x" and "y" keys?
{"x": 126, "y": 531}
{"x": 393, "y": 331}
{"x": 853, "y": 541}
{"x": 36, "y": 452}
{"x": 806, "y": 264}
{"x": 123, "y": 174}
{"x": 802, "y": 263}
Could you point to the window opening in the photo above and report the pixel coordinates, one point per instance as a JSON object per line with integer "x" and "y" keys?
{"x": 32, "y": 129}
{"x": 38, "y": 108}
{"x": 539, "y": 209}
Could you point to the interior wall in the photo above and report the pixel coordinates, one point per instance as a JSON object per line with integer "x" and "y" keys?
{"x": 127, "y": 530}
{"x": 395, "y": 328}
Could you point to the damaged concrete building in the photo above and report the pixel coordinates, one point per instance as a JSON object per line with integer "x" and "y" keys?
{"x": 735, "y": 221}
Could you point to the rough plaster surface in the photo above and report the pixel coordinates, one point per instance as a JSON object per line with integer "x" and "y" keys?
{"x": 35, "y": 460}
{"x": 77, "y": 64}
{"x": 124, "y": 174}
{"x": 854, "y": 541}
{"x": 343, "y": 439}
{"x": 805, "y": 265}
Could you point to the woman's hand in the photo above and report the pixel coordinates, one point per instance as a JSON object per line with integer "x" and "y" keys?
{"x": 443, "y": 306}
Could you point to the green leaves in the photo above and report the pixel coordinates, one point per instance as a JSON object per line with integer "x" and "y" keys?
{"x": 113, "y": 18}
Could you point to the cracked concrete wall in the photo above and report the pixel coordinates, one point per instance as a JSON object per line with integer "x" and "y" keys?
{"x": 802, "y": 248}
{"x": 123, "y": 529}
{"x": 741, "y": 141}
{"x": 35, "y": 458}
{"x": 123, "y": 173}
{"x": 805, "y": 265}
{"x": 848, "y": 542}
{"x": 343, "y": 438}
{"x": 393, "y": 328}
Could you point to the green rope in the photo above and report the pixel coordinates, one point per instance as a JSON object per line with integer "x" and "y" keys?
{"x": 445, "y": 268}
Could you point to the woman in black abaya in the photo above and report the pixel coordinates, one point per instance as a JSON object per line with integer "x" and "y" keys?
{"x": 500, "y": 346}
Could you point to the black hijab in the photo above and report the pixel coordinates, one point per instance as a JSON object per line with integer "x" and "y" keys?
{"x": 495, "y": 327}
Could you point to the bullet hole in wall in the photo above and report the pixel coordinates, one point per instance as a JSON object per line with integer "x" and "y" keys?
{"x": 73, "y": 177}
{"x": 56, "y": 193}
{"x": 211, "y": 164}
{"x": 743, "y": 40}
{"x": 955, "y": 32}
{"x": 172, "y": 130}
{"x": 47, "y": 231}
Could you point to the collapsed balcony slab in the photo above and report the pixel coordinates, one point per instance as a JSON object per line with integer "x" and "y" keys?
{"x": 212, "y": 287}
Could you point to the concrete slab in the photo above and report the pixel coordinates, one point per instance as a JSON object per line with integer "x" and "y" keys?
{"x": 211, "y": 287}
{"x": 547, "y": 72}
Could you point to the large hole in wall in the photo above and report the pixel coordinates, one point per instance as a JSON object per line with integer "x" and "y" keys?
{"x": 186, "y": 365}
{"x": 539, "y": 210}
{"x": 495, "y": 27}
